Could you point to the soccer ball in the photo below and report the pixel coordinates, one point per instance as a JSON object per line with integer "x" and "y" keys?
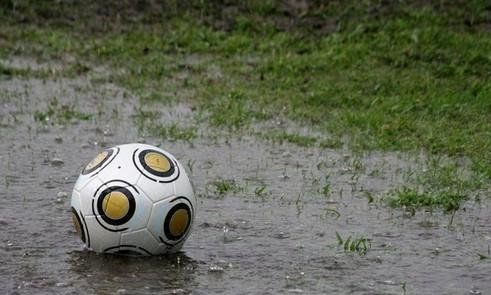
{"x": 133, "y": 199}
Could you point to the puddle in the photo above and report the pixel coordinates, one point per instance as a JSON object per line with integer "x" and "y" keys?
{"x": 274, "y": 234}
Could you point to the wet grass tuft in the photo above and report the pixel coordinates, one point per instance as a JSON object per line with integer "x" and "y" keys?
{"x": 485, "y": 256}
{"x": 174, "y": 132}
{"x": 233, "y": 111}
{"x": 221, "y": 187}
{"x": 411, "y": 200}
{"x": 325, "y": 187}
{"x": 148, "y": 123}
{"x": 359, "y": 245}
{"x": 482, "y": 256}
{"x": 441, "y": 184}
{"x": 260, "y": 191}
{"x": 60, "y": 114}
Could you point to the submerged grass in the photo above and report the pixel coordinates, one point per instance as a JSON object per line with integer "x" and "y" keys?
{"x": 174, "y": 132}
{"x": 402, "y": 75}
{"x": 7, "y": 72}
{"x": 359, "y": 245}
{"x": 148, "y": 123}
{"x": 222, "y": 187}
{"x": 60, "y": 114}
{"x": 297, "y": 139}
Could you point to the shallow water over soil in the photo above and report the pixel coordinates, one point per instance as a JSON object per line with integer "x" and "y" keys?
{"x": 276, "y": 234}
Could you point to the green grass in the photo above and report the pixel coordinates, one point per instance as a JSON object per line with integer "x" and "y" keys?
{"x": 221, "y": 187}
{"x": 402, "y": 75}
{"x": 441, "y": 184}
{"x": 412, "y": 200}
{"x": 359, "y": 245}
{"x": 148, "y": 123}
{"x": 297, "y": 139}
{"x": 260, "y": 191}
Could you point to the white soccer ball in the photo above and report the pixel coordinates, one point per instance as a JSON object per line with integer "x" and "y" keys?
{"x": 133, "y": 199}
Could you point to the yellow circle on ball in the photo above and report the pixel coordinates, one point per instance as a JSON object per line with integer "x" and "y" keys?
{"x": 97, "y": 160}
{"x": 157, "y": 162}
{"x": 115, "y": 205}
{"x": 179, "y": 222}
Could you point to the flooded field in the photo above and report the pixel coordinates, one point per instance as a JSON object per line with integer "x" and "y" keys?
{"x": 273, "y": 230}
